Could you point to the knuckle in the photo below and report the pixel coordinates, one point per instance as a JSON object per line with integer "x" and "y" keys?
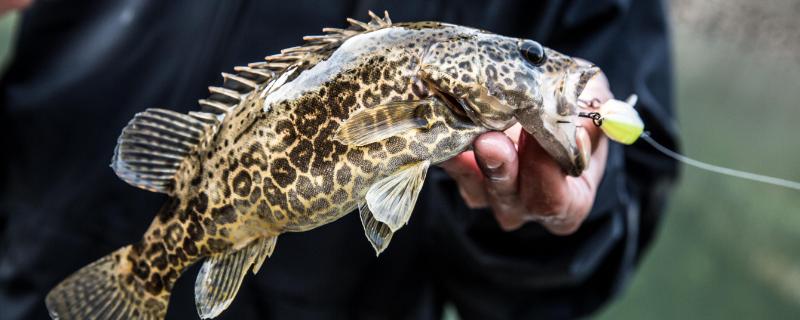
{"x": 473, "y": 201}
{"x": 559, "y": 207}
{"x": 549, "y": 207}
{"x": 502, "y": 195}
{"x": 475, "y": 204}
{"x": 564, "y": 228}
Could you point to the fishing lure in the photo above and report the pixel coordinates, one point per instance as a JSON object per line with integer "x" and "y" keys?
{"x": 620, "y": 122}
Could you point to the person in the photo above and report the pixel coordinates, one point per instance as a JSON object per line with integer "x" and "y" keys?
{"x": 500, "y": 233}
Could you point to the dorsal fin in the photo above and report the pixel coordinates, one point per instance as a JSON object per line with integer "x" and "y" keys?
{"x": 155, "y": 146}
{"x": 249, "y": 78}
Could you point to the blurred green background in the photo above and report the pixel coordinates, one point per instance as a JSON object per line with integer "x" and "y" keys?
{"x": 727, "y": 248}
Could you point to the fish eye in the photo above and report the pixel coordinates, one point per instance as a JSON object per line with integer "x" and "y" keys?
{"x": 533, "y": 52}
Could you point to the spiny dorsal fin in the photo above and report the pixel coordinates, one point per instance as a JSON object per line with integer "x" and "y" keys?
{"x": 249, "y": 78}
{"x": 155, "y": 146}
{"x": 221, "y": 276}
{"x": 234, "y": 88}
{"x": 332, "y": 38}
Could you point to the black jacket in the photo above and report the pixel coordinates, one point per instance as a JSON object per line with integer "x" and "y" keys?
{"x": 81, "y": 70}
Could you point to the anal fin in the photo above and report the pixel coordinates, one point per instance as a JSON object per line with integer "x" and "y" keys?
{"x": 221, "y": 276}
{"x": 264, "y": 250}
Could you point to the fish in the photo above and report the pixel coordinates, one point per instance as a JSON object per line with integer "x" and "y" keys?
{"x": 349, "y": 121}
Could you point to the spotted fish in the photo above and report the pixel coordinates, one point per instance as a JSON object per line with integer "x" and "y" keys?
{"x": 350, "y": 120}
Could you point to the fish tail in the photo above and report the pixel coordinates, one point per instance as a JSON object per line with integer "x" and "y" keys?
{"x": 108, "y": 289}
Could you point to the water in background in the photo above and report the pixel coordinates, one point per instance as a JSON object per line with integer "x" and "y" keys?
{"x": 727, "y": 248}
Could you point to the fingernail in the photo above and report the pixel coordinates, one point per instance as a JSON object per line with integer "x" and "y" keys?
{"x": 493, "y": 164}
{"x": 491, "y": 154}
{"x": 493, "y": 170}
{"x": 508, "y": 222}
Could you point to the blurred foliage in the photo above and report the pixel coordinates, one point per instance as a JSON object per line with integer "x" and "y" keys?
{"x": 727, "y": 247}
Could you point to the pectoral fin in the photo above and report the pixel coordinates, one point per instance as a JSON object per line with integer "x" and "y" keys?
{"x": 380, "y": 122}
{"x": 391, "y": 200}
{"x": 378, "y": 233}
{"x": 221, "y": 276}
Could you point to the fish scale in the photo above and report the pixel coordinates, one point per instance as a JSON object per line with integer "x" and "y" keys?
{"x": 350, "y": 120}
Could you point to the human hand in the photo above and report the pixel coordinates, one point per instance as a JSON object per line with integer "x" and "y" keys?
{"x": 514, "y": 176}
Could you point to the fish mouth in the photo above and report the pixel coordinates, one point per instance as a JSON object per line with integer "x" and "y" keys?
{"x": 587, "y": 74}
{"x": 575, "y": 138}
{"x": 556, "y": 127}
{"x": 575, "y": 83}
{"x": 583, "y": 145}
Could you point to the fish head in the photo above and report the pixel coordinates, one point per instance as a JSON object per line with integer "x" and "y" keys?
{"x": 497, "y": 81}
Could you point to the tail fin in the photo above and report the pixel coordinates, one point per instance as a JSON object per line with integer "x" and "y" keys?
{"x": 105, "y": 289}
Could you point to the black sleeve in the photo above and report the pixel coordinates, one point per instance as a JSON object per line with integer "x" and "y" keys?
{"x": 531, "y": 272}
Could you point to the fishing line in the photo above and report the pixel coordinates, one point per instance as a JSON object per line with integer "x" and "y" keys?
{"x": 620, "y": 122}
{"x": 719, "y": 169}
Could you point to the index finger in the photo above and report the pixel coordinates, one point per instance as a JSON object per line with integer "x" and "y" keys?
{"x": 464, "y": 170}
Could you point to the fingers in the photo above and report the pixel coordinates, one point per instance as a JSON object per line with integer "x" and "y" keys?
{"x": 594, "y": 174}
{"x": 464, "y": 170}
{"x": 487, "y": 176}
{"x": 496, "y": 156}
{"x": 545, "y": 193}
{"x": 514, "y": 132}
{"x": 492, "y": 176}
{"x": 583, "y": 190}
{"x": 558, "y": 201}
{"x": 519, "y": 180}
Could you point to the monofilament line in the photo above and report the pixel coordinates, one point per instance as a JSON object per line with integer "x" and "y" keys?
{"x": 721, "y": 170}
